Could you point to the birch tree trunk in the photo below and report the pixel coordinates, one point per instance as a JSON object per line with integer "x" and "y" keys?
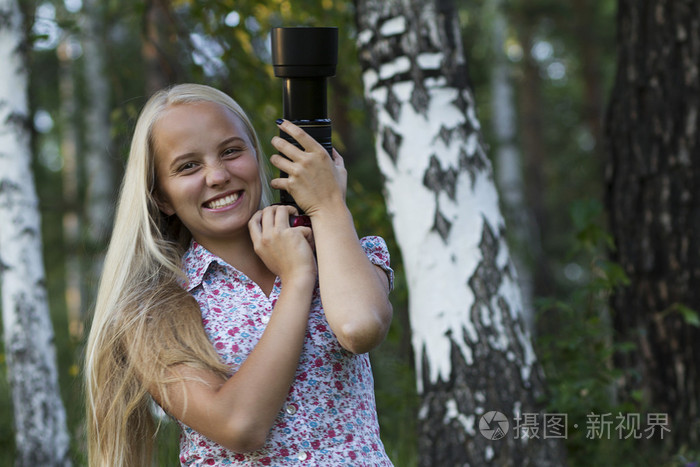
{"x": 653, "y": 177}
{"x": 101, "y": 186}
{"x": 509, "y": 174}
{"x": 473, "y": 353}
{"x": 39, "y": 417}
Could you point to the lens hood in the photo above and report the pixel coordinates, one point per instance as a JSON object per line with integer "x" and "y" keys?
{"x": 304, "y": 52}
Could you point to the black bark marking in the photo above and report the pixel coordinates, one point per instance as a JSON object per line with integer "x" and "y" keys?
{"x": 436, "y": 179}
{"x": 420, "y": 99}
{"x": 8, "y": 186}
{"x": 19, "y": 121}
{"x": 442, "y": 225}
{"x": 445, "y": 134}
{"x": 474, "y": 164}
{"x": 392, "y": 105}
{"x": 391, "y": 142}
{"x": 5, "y": 18}
{"x": 463, "y": 101}
{"x": 487, "y": 278}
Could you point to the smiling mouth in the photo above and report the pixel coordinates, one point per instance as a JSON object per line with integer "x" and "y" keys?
{"x": 223, "y": 202}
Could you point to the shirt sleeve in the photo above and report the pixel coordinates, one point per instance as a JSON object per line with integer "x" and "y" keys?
{"x": 378, "y": 254}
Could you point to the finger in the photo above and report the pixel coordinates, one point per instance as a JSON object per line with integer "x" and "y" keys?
{"x": 289, "y": 150}
{"x": 282, "y": 163}
{"x": 280, "y": 184}
{"x": 254, "y": 226}
{"x": 268, "y": 218}
{"x": 300, "y": 136}
{"x": 338, "y": 159}
{"x": 307, "y": 233}
{"x": 282, "y": 216}
{"x": 309, "y": 236}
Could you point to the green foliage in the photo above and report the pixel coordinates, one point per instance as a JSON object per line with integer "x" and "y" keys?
{"x": 689, "y": 315}
{"x": 577, "y": 349}
{"x": 167, "y": 444}
{"x": 7, "y": 436}
{"x": 575, "y": 344}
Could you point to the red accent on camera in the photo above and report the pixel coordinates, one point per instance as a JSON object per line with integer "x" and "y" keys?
{"x": 297, "y": 221}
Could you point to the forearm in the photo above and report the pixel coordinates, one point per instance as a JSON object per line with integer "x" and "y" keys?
{"x": 239, "y": 413}
{"x": 262, "y": 383}
{"x": 354, "y": 294}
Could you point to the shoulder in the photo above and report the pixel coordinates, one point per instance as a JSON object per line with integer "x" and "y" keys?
{"x": 378, "y": 254}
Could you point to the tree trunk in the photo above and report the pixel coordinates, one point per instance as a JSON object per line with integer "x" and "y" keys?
{"x": 101, "y": 186}
{"x": 653, "y": 175}
{"x": 71, "y": 182}
{"x": 41, "y": 436}
{"x": 590, "y": 68}
{"x": 534, "y": 155}
{"x": 156, "y": 50}
{"x": 473, "y": 353}
{"x": 509, "y": 171}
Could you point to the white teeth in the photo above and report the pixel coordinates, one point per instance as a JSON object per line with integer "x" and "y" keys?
{"x": 225, "y": 201}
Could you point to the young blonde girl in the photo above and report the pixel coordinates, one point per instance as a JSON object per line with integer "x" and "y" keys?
{"x": 195, "y": 189}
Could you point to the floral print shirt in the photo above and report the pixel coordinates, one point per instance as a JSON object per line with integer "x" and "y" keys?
{"x": 329, "y": 417}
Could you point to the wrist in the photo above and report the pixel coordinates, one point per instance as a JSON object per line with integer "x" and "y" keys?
{"x": 300, "y": 278}
{"x": 333, "y": 207}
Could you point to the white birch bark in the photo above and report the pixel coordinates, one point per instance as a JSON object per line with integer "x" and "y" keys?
{"x": 473, "y": 354}
{"x": 39, "y": 417}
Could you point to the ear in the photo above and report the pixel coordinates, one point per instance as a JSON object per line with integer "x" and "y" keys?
{"x": 163, "y": 204}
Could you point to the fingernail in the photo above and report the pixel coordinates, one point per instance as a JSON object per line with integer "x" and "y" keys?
{"x": 279, "y": 121}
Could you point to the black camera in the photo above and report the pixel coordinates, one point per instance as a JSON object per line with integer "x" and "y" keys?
{"x": 305, "y": 57}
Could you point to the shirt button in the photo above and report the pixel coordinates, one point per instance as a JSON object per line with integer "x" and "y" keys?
{"x": 302, "y": 456}
{"x": 265, "y": 319}
{"x": 291, "y": 409}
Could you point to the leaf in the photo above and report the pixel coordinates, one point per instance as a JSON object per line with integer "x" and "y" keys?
{"x": 584, "y": 212}
{"x": 689, "y": 315}
{"x": 614, "y": 274}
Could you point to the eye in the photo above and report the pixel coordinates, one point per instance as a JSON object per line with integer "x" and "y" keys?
{"x": 187, "y": 167}
{"x": 232, "y": 152}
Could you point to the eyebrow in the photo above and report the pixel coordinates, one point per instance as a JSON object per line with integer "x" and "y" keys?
{"x": 230, "y": 140}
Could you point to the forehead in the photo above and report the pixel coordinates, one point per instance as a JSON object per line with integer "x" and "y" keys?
{"x": 182, "y": 126}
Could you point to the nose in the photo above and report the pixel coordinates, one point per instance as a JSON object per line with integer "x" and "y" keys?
{"x": 217, "y": 175}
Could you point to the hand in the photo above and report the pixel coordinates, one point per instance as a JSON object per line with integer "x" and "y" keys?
{"x": 314, "y": 179}
{"x": 286, "y": 251}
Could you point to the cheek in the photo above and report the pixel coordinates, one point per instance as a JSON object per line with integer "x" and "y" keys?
{"x": 177, "y": 194}
{"x": 249, "y": 167}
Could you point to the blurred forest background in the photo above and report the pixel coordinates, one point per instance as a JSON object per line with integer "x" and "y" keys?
{"x": 94, "y": 63}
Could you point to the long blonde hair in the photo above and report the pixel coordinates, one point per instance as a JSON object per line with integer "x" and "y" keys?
{"x": 144, "y": 321}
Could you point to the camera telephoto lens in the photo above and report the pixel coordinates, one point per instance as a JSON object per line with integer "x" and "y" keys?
{"x": 305, "y": 57}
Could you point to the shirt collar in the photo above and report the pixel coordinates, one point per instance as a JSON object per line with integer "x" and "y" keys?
{"x": 196, "y": 263}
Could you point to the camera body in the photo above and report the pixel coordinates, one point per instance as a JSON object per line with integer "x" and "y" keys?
{"x": 304, "y": 58}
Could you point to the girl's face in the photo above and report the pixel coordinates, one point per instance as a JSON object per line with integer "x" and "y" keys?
{"x": 206, "y": 170}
